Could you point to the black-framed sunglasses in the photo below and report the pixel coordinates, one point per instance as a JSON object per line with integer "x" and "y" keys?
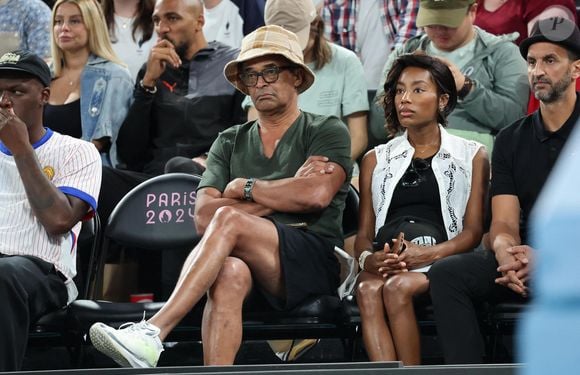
{"x": 270, "y": 75}
{"x": 413, "y": 176}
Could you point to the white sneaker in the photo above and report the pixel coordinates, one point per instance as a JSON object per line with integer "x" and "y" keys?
{"x": 132, "y": 345}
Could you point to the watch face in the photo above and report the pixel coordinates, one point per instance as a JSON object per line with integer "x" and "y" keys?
{"x": 248, "y": 189}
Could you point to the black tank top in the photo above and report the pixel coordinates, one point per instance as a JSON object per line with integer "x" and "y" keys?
{"x": 417, "y": 194}
{"x": 64, "y": 118}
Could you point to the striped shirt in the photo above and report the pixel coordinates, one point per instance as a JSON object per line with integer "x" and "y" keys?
{"x": 74, "y": 167}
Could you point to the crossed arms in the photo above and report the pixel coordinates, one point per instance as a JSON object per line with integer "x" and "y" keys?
{"x": 312, "y": 188}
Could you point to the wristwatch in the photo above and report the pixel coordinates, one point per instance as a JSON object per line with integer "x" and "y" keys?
{"x": 466, "y": 89}
{"x": 248, "y": 189}
{"x": 148, "y": 89}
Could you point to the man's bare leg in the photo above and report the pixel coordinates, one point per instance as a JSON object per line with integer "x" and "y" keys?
{"x": 231, "y": 232}
{"x": 222, "y": 317}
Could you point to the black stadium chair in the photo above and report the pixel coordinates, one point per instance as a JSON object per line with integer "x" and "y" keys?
{"x": 502, "y": 321}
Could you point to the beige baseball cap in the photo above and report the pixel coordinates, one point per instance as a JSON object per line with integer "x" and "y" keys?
{"x": 269, "y": 40}
{"x": 293, "y": 15}
{"x": 449, "y": 13}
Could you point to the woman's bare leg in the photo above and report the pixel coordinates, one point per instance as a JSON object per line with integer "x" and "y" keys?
{"x": 376, "y": 334}
{"x": 398, "y": 294}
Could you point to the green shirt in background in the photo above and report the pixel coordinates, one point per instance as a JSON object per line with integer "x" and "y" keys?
{"x": 238, "y": 153}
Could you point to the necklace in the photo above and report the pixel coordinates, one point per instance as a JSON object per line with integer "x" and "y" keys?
{"x": 124, "y": 22}
{"x": 425, "y": 147}
{"x": 72, "y": 82}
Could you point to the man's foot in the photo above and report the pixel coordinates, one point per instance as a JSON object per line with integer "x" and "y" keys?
{"x": 132, "y": 345}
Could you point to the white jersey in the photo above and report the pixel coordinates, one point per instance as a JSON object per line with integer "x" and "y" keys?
{"x": 74, "y": 167}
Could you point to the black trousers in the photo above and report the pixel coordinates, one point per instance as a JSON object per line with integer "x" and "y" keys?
{"x": 29, "y": 288}
{"x": 459, "y": 285}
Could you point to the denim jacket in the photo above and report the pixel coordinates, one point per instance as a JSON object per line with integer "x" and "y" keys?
{"x": 106, "y": 95}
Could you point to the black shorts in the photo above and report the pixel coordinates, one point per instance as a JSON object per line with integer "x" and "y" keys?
{"x": 309, "y": 267}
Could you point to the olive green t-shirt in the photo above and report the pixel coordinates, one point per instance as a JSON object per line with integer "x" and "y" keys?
{"x": 238, "y": 153}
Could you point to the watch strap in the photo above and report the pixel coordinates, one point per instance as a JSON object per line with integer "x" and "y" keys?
{"x": 148, "y": 89}
{"x": 466, "y": 89}
{"x": 248, "y": 187}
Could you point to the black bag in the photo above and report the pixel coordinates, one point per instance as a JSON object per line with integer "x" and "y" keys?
{"x": 416, "y": 230}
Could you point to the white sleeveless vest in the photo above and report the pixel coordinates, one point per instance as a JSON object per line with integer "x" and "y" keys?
{"x": 452, "y": 166}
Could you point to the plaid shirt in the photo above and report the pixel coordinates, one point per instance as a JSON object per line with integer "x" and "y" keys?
{"x": 398, "y": 18}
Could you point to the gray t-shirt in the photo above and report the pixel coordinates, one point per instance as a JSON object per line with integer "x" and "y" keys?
{"x": 238, "y": 153}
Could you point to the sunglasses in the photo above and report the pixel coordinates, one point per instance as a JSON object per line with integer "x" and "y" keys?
{"x": 413, "y": 176}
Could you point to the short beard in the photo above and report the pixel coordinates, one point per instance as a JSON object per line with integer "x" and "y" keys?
{"x": 180, "y": 49}
{"x": 556, "y": 90}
